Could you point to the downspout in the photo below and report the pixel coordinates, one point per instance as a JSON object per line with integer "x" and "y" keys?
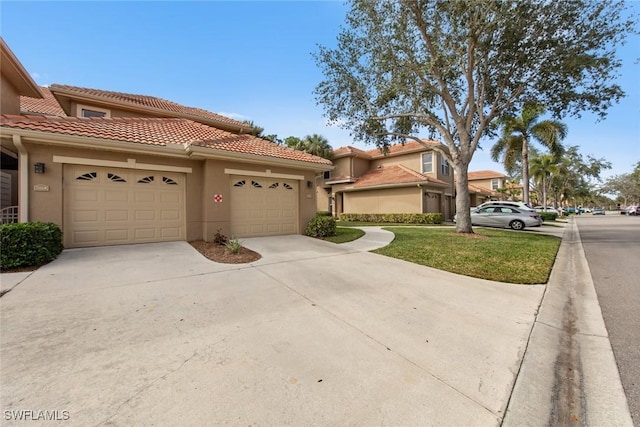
{"x": 23, "y": 180}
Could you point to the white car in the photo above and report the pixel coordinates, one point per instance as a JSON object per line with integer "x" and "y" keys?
{"x": 510, "y": 204}
{"x": 547, "y": 209}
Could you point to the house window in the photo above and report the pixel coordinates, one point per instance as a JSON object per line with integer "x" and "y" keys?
{"x": 495, "y": 184}
{"x": 327, "y": 175}
{"x": 427, "y": 163}
{"x": 87, "y": 111}
{"x": 444, "y": 166}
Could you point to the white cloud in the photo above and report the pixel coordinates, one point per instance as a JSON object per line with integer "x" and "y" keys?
{"x": 35, "y": 76}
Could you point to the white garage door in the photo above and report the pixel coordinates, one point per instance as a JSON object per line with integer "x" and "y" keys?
{"x": 112, "y": 206}
{"x": 263, "y": 206}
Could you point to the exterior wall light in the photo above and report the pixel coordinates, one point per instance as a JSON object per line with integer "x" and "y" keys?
{"x": 38, "y": 168}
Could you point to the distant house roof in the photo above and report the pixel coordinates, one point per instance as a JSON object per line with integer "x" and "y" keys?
{"x": 144, "y": 103}
{"x": 393, "y": 150}
{"x": 394, "y": 175}
{"x": 407, "y": 147}
{"x": 350, "y": 151}
{"x": 486, "y": 174}
{"x": 477, "y": 189}
{"x": 48, "y": 105}
{"x": 158, "y": 132}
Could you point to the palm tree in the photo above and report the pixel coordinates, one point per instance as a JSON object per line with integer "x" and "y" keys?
{"x": 519, "y": 132}
{"x": 542, "y": 168}
{"x": 318, "y": 146}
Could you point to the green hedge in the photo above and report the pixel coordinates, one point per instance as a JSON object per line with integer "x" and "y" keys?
{"x": 321, "y": 226}
{"x": 548, "y": 216}
{"x": 29, "y": 243}
{"x": 395, "y": 218}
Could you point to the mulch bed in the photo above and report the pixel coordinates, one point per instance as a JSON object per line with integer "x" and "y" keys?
{"x": 220, "y": 253}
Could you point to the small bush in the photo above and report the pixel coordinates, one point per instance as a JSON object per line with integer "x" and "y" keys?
{"x": 323, "y": 213}
{"x": 234, "y": 246}
{"x": 29, "y": 243}
{"x": 395, "y": 218}
{"x": 219, "y": 238}
{"x": 548, "y": 216}
{"x": 321, "y": 226}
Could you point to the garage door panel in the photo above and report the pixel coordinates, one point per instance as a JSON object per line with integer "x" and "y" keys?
{"x": 107, "y": 206}
{"x": 263, "y": 206}
{"x": 116, "y": 235}
{"x": 116, "y": 215}
{"x": 88, "y": 195}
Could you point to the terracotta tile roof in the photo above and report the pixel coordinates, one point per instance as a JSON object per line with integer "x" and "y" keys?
{"x": 157, "y": 131}
{"x": 478, "y": 189}
{"x": 397, "y": 174}
{"x": 48, "y": 105}
{"x": 134, "y": 100}
{"x": 406, "y": 147}
{"x": 487, "y": 174}
{"x": 349, "y": 150}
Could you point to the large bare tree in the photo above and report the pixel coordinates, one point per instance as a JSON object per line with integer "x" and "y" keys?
{"x": 403, "y": 68}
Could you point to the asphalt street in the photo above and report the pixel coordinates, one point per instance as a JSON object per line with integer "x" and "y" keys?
{"x": 612, "y": 244}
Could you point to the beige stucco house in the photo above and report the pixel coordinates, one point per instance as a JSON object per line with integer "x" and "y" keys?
{"x": 486, "y": 185}
{"x": 409, "y": 178}
{"x": 114, "y": 168}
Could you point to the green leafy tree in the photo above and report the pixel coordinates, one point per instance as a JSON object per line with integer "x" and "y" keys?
{"x": 626, "y": 186}
{"x": 255, "y": 129}
{"x": 542, "y": 168}
{"x": 294, "y": 142}
{"x": 318, "y": 146}
{"x": 518, "y": 132}
{"x": 405, "y": 67}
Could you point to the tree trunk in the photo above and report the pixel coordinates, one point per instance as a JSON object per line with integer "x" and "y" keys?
{"x": 525, "y": 170}
{"x": 463, "y": 214}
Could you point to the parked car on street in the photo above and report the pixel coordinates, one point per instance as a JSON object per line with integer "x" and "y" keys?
{"x": 547, "y": 209}
{"x": 597, "y": 211}
{"x": 517, "y": 205}
{"x": 631, "y": 210}
{"x": 503, "y": 217}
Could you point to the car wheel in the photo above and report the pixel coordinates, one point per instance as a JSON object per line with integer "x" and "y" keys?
{"x": 516, "y": 225}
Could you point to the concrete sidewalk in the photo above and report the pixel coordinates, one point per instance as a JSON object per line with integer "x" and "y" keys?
{"x": 569, "y": 374}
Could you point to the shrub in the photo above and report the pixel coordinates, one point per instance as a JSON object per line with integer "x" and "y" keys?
{"x": 321, "y": 226}
{"x": 219, "y": 238}
{"x": 395, "y": 218}
{"x": 234, "y": 246}
{"x": 548, "y": 216}
{"x": 323, "y": 213}
{"x": 29, "y": 243}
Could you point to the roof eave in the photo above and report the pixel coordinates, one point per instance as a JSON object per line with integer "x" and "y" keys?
{"x": 102, "y": 101}
{"x": 213, "y": 153}
{"x": 17, "y": 74}
{"x": 397, "y": 185}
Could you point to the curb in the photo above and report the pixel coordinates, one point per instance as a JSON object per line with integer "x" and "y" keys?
{"x": 569, "y": 374}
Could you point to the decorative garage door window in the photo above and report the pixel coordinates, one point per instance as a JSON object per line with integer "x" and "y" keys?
{"x": 256, "y": 184}
{"x": 168, "y": 181}
{"x": 115, "y": 178}
{"x": 239, "y": 183}
{"x": 287, "y": 186}
{"x": 146, "y": 180}
{"x": 88, "y": 176}
{"x": 274, "y": 185}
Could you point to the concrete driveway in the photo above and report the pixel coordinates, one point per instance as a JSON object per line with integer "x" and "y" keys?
{"x": 312, "y": 334}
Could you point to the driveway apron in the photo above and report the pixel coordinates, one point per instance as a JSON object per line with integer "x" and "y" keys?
{"x": 311, "y": 334}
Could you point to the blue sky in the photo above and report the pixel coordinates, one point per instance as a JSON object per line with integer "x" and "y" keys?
{"x": 247, "y": 60}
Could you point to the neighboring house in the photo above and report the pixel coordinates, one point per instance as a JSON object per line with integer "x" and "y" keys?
{"x": 409, "y": 178}
{"x": 486, "y": 185}
{"x": 113, "y": 168}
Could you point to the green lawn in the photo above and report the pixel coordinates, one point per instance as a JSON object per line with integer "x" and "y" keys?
{"x": 344, "y": 234}
{"x": 500, "y": 255}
